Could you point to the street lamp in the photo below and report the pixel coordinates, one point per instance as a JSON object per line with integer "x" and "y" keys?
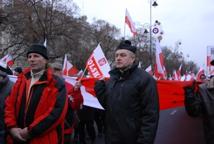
{"x": 153, "y": 3}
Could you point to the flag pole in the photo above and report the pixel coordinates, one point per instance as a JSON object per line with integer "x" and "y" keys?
{"x": 83, "y": 73}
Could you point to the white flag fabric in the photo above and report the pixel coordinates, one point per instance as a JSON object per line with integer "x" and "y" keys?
{"x": 130, "y": 23}
{"x": 149, "y": 70}
{"x": 45, "y": 43}
{"x": 200, "y": 74}
{"x": 97, "y": 64}
{"x": 8, "y": 60}
{"x": 88, "y": 98}
{"x": 68, "y": 69}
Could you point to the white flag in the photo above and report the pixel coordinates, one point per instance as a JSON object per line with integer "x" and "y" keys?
{"x": 97, "y": 64}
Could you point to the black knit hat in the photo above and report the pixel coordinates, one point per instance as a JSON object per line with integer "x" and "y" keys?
{"x": 127, "y": 45}
{"x": 212, "y": 62}
{"x": 18, "y": 69}
{"x": 40, "y": 49}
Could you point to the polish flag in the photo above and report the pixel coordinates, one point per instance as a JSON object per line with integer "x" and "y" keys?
{"x": 87, "y": 91}
{"x": 68, "y": 68}
{"x": 175, "y": 75}
{"x": 200, "y": 74}
{"x": 130, "y": 23}
{"x": 97, "y": 64}
{"x": 149, "y": 70}
{"x": 178, "y": 72}
{"x": 160, "y": 71}
{"x": 8, "y": 60}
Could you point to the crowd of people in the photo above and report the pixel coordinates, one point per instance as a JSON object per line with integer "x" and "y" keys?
{"x": 41, "y": 107}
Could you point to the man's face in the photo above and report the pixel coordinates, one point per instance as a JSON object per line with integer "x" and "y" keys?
{"x": 124, "y": 58}
{"x": 36, "y": 62}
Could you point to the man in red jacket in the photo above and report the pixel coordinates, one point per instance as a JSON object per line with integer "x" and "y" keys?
{"x": 36, "y": 108}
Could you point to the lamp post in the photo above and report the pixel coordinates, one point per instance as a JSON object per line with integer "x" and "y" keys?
{"x": 153, "y": 3}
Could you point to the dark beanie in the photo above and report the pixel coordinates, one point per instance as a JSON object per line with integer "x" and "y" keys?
{"x": 212, "y": 62}
{"x": 126, "y": 44}
{"x": 18, "y": 69}
{"x": 40, "y": 49}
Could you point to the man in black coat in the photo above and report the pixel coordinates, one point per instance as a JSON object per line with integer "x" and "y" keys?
{"x": 130, "y": 99}
{"x": 199, "y": 102}
{"x": 5, "y": 88}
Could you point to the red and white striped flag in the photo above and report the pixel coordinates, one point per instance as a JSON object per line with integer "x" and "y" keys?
{"x": 160, "y": 71}
{"x": 97, "y": 64}
{"x": 8, "y": 60}
{"x": 68, "y": 68}
{"x": 130, "y": 23}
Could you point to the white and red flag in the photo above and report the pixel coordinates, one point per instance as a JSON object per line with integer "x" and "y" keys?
{"x": 149, "y": 70}
{"x": 130, "y": 23}
{"x": 179, "y": 72}
{"x": 160, "y": 71}
{"x": 87, "y": 91}
{"x": 68, "y": 68}
{"x": 7, "y": 59}
{"x": 200, "y": 75}
{"x": 175, "y": 75}
{"x": 97, "y": 64}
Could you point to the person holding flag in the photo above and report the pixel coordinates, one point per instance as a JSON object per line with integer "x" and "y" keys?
{"x": 130, "y": 99}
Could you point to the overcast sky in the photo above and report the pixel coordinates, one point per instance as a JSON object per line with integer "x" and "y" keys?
{"x": 188, "y": 21}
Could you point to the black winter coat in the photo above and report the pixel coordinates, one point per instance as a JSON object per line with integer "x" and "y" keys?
{"x": 201, "y": 103}
{"x": 132, "y": 106}
{"x": 5, "y": 87}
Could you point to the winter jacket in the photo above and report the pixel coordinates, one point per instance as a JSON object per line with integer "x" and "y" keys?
{"x": 132, "y": 106}
{"x": 5, "y": 88}
{"x": 199, "y": 101}
{"x": 44, "y": 111}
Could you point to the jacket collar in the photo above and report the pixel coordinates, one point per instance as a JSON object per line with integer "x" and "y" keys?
{"x": 119, "y": 75}
{"x": 45, "y": 77}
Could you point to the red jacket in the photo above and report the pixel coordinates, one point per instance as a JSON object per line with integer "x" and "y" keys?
{"x": 44, "y": 111}
{"x": 74, "y": 96}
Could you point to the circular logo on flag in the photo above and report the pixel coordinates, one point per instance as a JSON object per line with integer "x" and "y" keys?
{"x": 155, "y": 30}
{"x": 102, "y": 61}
